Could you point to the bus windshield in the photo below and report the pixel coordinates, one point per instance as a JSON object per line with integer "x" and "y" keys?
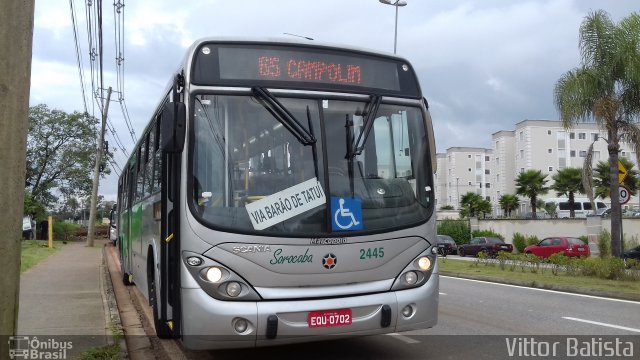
{"x": 241, "y": 154}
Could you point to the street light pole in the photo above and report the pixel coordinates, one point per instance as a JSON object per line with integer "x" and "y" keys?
{"x": 396, "y": 3}
{"x": 457, "y": 194}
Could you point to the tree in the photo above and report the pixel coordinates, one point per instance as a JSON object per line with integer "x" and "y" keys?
{"x": 606, "y": 88}
{"x": 531, "y": 183}
{"x": 473, "y": 204}
{"x": 601, "y": 178}
{"x": 16, "y": 30}
{"x": 567, "y": 182}
{"x": 60, "y": 153}
{"x": 508, "y": 203}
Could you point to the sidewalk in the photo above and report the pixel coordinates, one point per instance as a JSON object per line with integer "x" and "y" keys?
{"x": 63, "y": 298}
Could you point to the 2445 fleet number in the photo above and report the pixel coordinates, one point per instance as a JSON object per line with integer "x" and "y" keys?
{"x": 372, "y": 253}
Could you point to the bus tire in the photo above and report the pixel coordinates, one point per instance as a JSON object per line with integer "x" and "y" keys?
{"x": 162, "y": 329}
{"x": 126, "y": 279}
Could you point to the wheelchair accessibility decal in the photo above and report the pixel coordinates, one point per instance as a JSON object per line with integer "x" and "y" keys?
{"x": 347, "y": 214}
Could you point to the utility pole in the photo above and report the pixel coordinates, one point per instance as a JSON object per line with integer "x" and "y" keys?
{"x": 16, "y": 40}
{"x": 96, "y": 173}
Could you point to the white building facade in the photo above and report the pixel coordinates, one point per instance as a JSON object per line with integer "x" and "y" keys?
{"x": 534, "y": 144}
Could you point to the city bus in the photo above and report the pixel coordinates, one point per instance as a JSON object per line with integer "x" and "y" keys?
{"x": 283, "y": 192}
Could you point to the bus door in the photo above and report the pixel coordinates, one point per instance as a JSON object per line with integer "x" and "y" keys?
{"x": 172, "y": 132}
{"x": 125, "y": 224}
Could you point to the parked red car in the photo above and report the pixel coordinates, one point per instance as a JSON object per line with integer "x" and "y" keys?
{"x": 570, "y": 246}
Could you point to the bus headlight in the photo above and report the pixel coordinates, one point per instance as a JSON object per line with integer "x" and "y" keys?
{"x": 214, "y": 274}
{"x": 416, "y": 273}
{"x": 424, "y": 263}
{"x": 234, "y": 289}
{"x": 411, "y": 277}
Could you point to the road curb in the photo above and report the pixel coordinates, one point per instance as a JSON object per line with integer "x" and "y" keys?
{"x": 111, "y": 306}
{"x": 138, "y": 345}
{"x": 544, "y": 286}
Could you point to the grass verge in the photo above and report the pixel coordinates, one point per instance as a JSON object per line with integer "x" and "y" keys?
{"x": 108, "y": 352}
{"x": 542, "y": 279}
{"x": 34, "y": 251}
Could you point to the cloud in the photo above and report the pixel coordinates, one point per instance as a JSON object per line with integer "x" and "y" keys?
{"x": 483, "y": 65}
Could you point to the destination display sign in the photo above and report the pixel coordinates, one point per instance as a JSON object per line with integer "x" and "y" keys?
{"x": 302, "y": 67}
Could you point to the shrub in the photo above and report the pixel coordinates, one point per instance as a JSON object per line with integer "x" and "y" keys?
{"x": 558, "y": 261}
{"x": 64, "y": 230}
{"x": 604, "y": 243}
{"x": 532, "y": 240}
{"x": 446, "y": 207}
{"x": 519, "y": 242}
{"x": 486, "y": 233}
{"x": 457, "y": 229}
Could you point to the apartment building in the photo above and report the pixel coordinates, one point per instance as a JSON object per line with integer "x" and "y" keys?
{"x": 534, "y": 144}
{"x": 462, "y": 170}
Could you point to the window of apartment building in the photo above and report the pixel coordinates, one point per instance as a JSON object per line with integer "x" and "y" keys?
{"x": 521, "y": 135}
{"x": 550, "y": 151}
{"x": 486, "y": 158}
{"x": 469, "y": 169}
{"x": 582, "y": 136}
{"x": 583, "y": 153}
{"x": 572, "y": 135}
{"x": 548, "y": 132}
{"x": 498, "y": 178}
{"x": 487, "y": 185}
{"x": 497, "y": 144}
{"x": 469, "y": 156}
{"x": 521, "y": 170}
{"x": 550, "y": 168}
{"x": 596, "y": 155}
{"x": 469, "y": 183}
{"x": 624, "y": 154}
{"x": 594, "y": 136}
{"x": 572, "y": 153}
{"x": 488, "y": 198}
{"x": 497, "y": 161}
{"x": 487, "y": 171}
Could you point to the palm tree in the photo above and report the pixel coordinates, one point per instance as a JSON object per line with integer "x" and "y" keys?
{"x": 531, "y": 183}
{"x": 601, "y": 178}
{"x": 508, "y": 203}
{"x": 469, "y": 204}
{"x": 567, "y": 182}
{"x": 606, "y": 88}
{"x": 474, "y": 204}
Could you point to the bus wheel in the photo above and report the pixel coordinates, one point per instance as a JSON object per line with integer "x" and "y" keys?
{"x": 127, "y": 279}
{"x": 162, "y": 329}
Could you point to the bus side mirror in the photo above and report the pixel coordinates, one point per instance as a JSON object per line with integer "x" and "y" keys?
{"x": 173, "y": 127}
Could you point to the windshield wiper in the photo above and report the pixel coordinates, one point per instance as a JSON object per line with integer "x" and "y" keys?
{"x": 283, "y": 115}
{"x": 370, "y": 113}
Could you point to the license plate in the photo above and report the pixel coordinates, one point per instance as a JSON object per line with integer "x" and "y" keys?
{"x": 329, "y": 318}
{"x": 504, "y": 247}
{"x": 580, "y": 249}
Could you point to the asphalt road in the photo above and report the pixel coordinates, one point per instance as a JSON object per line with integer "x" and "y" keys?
{"x": 477, "y": 320}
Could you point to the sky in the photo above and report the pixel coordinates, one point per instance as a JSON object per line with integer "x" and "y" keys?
{"x": 483, "y": 65}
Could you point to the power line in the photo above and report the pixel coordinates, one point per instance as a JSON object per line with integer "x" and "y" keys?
{"x": 78, "y": 54}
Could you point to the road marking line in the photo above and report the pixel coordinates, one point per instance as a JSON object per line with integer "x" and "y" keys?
{"x": 403, "y": 338}
{"x": 602, "y": 324}
{"x": 546, "y": 290}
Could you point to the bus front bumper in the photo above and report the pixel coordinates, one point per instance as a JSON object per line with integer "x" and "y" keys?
{"x": 208, "y": 323}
